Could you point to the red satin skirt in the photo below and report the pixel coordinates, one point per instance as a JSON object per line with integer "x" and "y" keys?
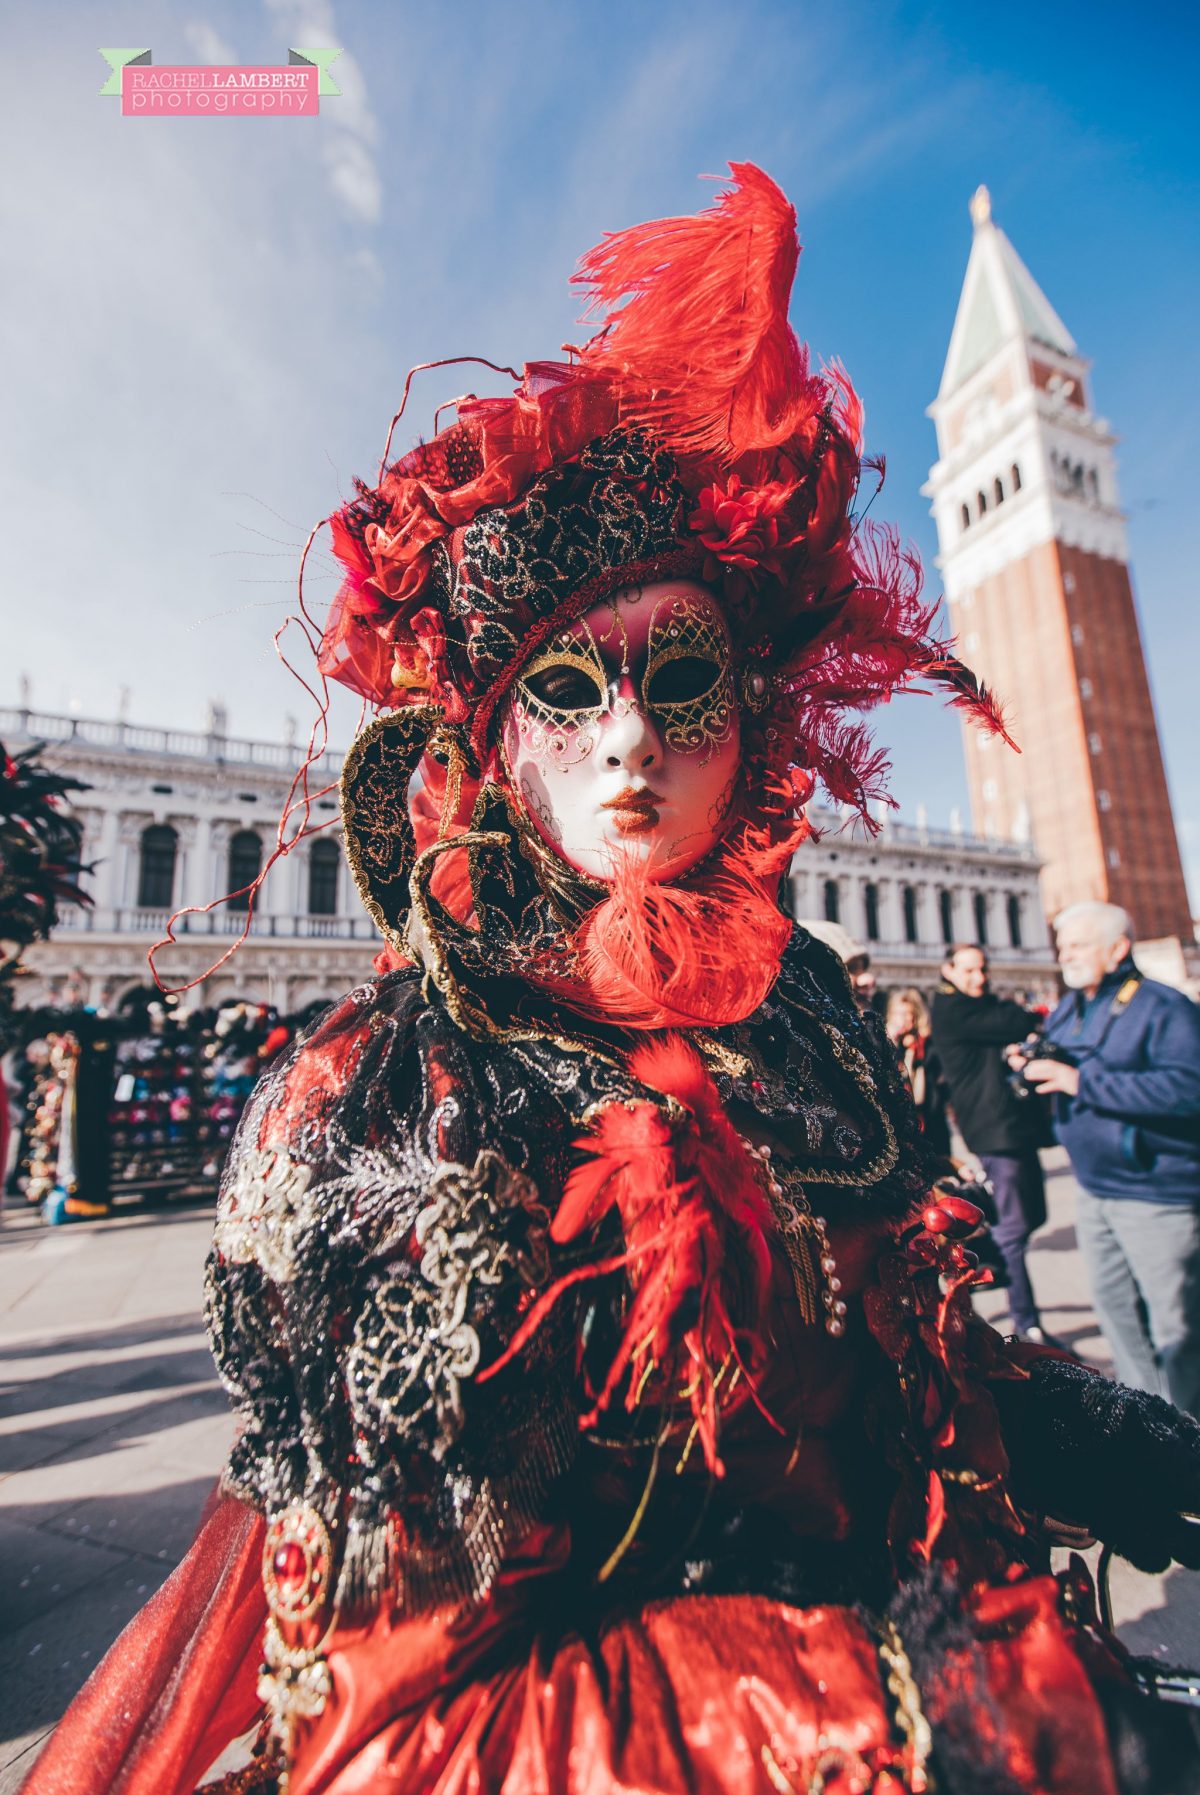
{"x": 696, "y": 1695}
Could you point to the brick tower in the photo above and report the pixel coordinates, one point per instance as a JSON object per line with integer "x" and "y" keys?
{"x": 1035, "y": 565}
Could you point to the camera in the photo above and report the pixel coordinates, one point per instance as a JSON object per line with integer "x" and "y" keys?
{"x": 1035, "y": 1047}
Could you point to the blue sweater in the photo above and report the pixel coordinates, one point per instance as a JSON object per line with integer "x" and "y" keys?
{"x": 1134, "y": 1128}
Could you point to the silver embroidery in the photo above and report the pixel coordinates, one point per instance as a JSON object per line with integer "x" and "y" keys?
{"x": 413, "y": 1344}
{"x": 261, "y": 1210}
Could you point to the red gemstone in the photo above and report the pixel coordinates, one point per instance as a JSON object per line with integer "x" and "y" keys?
{"x": 936, "y": 1220}
{"x": 291, "y": 1565}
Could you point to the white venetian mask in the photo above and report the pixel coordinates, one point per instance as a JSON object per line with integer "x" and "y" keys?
{"x": 622, "y": 735}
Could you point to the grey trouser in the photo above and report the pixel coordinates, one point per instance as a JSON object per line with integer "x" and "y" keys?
{"x": 1143, "y": 1260}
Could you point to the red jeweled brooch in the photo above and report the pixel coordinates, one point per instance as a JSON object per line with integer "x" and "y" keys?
{"x": 297, "y": 1562}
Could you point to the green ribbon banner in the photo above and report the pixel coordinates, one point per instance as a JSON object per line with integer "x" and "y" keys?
{"x": 320, "y": 59}
{"x": 117, "y": 60}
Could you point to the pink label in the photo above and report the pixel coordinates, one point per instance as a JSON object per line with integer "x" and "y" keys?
{"x": 231, "y": 91}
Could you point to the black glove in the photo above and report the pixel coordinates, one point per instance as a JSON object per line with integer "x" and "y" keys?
{"x": 1122, "y": 1463}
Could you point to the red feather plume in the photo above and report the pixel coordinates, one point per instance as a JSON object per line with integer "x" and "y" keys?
{"x": 702, "y": 354}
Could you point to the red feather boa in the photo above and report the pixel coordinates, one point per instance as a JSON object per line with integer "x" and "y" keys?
{"x": 697, "y": 953}
{"x": 696, "y": 1226}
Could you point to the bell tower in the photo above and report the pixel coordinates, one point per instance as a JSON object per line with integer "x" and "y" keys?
{"x": 1034, "y": 559}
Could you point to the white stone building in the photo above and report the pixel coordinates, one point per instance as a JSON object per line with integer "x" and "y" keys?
{"x": 176, "y": 818}
{"x": 911, "y": 891}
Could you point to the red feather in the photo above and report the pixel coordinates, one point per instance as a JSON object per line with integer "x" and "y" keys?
{"x": 696, "y": 1226}
{"x": 971, "y": 696}
{"x": 702, "y": 353}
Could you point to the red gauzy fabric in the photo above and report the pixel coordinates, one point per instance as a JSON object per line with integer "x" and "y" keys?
{"x": 179, "y": 1684}
{"x": 433, "y": 819}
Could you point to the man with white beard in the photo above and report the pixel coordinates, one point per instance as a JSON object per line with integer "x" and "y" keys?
{"x": 1126, "y": 1094}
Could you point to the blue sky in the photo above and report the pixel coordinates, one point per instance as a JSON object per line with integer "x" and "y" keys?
{"x": 207, "y": 323}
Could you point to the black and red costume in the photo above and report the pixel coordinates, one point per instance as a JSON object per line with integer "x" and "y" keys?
{"x": 613, "y": 1415}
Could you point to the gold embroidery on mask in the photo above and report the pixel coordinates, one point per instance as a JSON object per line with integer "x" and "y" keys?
{"x": 617, "y": 625}
{"x": 564, "y": 735}
{"x": 705, "y": 720}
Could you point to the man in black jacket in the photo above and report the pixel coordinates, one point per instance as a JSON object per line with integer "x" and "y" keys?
{"x": 971, "y": 1028}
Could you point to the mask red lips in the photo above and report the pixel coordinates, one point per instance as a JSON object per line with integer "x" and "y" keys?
{"x": 634, "y": 812}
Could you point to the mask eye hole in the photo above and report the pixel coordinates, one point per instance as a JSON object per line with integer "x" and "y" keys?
{"x": 564, "y": 686}
{"x": 682, "y": 679}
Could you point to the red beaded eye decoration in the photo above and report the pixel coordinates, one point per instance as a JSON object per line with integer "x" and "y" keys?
{"x": 297, "y": 1560}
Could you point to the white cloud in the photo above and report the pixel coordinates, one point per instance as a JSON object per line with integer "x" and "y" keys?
{"x": 354, "y": 177}
{"x": 349, "y": 126}
{"x": 207, "y": 42}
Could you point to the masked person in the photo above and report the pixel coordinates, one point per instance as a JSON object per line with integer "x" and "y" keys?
{"x": 611, "y": 1411}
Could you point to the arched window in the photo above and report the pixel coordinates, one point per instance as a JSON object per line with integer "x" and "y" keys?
{"x": 831, "y": 900}
{"x": 245, "y": 862}
{"x": 946, "y": 915}
{"x": 981, "y": 502}
{"x": 323, "y": 858}
{"x": 981, "y": 917}
{"x": 156, "y": 867}
{"x": 1015, "y": 473}
{"x": 1093, "y": 481}
{"x": 1077, "y": 477}
{"x": 911, "y": 932}
{"x": 966, "y": 517}
{"x": 999, "y": 490}
{"x": 1014, "y": 919}
{"x": 871, "y": 910}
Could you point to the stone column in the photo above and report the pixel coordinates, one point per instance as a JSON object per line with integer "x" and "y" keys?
{"x": 801, "y": 879}
{"x": 201, "y": 889}
{"x": 216, "y": 857}
{"x": 188, "y": 866}
{"x": 106, "y": 851}
{"x": 130, "y": 824}
{"x": 929, "y": 924}
{"x": 891, "y": 912}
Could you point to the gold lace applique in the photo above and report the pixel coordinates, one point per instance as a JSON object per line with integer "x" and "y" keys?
{"x": 564, "y": 735}
{"x": 690, "y": 631}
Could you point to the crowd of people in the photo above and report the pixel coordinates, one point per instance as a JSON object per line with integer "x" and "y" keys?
{"x": 1113, "y": 1076}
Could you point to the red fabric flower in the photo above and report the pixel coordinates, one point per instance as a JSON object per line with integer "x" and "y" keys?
{"x": 399, "y": 549}
{"x": 739, "y": 529}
